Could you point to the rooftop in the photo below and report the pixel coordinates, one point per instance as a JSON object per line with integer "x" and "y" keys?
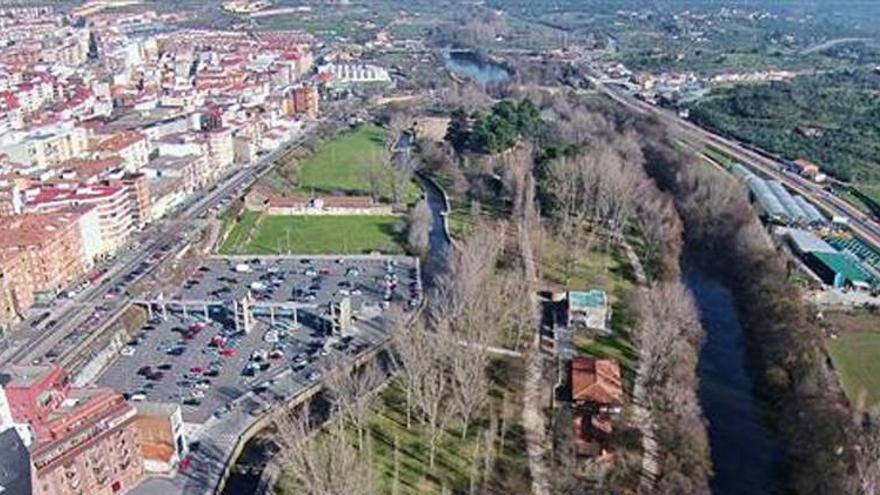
{"x": 16, "y": 375}
{"x": 595, "y": 298}
{"x": 34, "y": 229}
{"x": 596, "y": 380}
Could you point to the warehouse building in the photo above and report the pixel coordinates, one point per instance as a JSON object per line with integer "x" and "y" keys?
{"x": 776, "y": 204}
{"x": 839, "y": 270}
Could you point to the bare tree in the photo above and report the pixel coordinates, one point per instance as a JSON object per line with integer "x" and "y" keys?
{"x": 353, "y": 391}
{"x": 468, "y": 368}
{"x": 373, "y": 175}
{"x": 432, "y": 391}
{"x": 411, "y": 353}
{"x": 324, "y": 464}
{"x": 419, "y": 228}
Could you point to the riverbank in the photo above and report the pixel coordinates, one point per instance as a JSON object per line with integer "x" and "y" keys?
{"x": 793, "y": 388}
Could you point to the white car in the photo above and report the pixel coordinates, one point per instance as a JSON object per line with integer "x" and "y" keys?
{"x": 138, "y": 397}
{"x": 271, "y": 337}
{"x": 197, "y": 394}
{"x": 128, "y": 350}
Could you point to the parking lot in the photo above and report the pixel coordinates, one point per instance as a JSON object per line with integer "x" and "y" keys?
{"x": 205, "y": 364}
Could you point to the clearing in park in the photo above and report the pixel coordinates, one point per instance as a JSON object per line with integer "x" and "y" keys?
{"x": 320, "y": 234}
{"x": 338, "y": 165}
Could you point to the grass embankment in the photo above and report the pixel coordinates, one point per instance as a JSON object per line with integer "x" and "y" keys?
{"x": 282, "y": 234}
{"x": 856, "y": 354}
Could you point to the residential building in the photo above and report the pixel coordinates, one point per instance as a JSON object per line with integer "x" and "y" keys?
{"x": 221, "y": 148}
{"x": 116, "y": 207}
{"x": 32, "y": 392}
{"x": 162, "y": 440}
{"x": 139, "y": 190}
{"x": 133, "y": 147}
{"x": 16, "y": 287}
{"x": 48, "y": 146}
{"x": 305, "y": 101}
{"x": 597, "y": 399}
{"x": 52, "y": 244}
{"x": 92, "y": 446}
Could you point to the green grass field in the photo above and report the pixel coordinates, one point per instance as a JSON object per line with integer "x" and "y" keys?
{"x": 315, "y": 235}
{"x": 339, "y": 164}
{"x": 856, "y": 357}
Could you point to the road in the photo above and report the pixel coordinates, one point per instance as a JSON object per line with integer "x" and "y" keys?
{"x": 155, "y": 245}
{"x": 860, "y": 223}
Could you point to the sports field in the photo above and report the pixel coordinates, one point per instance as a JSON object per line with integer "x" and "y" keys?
{"x": 283, "y": 234}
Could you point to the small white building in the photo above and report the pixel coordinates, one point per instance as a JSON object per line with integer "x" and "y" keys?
{"x": 589, "y": 310}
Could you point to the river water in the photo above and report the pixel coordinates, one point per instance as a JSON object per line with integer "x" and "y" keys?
{"x": 745, "y": 454}
{"x": 468, "y": 65}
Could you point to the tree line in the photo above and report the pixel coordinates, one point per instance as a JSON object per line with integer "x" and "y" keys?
{"x": 826, "y": 451}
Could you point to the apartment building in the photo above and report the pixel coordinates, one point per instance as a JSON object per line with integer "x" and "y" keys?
{"x": 52, "y": 245}
{"x": 16, "y": 287}
{"x": 92, "y": 447}
{"x": 133, "y": 147}
{"x": 117, "y": 211}
{"x": 305, "y": 101}
{"x": 162, "y": 439}
{"x": 48, "y": 146}
{"x": 32, "y": 393}
{"x": 221, "y": 148}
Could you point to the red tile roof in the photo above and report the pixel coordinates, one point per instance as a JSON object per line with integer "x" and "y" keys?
{"x": 596, "y": 381}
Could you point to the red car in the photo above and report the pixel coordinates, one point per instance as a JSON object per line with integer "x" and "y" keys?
{"x": 228, "y": 352}
{"x": 197, "y": 369}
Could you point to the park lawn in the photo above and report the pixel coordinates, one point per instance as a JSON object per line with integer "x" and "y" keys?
{"x": 856, "y": 356}
{"x": 599, "y": 268}
{"x": 339, "y": 165}
{"x": 325, "y": 234}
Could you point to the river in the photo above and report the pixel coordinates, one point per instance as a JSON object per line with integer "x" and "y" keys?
{"x": 746, "y": 455}
{"x": 467, "y": 65}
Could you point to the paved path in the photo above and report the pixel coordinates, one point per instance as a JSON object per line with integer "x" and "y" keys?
{"x": 642, "y": 418}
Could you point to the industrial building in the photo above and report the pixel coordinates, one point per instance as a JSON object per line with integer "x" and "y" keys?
{"x": 776, "y": 204}
{"x": 835, "y": 268}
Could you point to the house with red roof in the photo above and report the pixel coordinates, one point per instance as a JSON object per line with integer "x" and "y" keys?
{"x": 597, "y": 399}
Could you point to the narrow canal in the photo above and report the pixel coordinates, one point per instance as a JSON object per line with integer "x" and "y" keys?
{"x": 745, "y": 454}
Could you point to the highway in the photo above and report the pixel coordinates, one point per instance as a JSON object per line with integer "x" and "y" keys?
{"x": 860, "y": 223}
{"x": 153, "y": 246}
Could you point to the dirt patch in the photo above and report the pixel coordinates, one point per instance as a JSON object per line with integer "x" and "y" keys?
{"x": 433, "y": 128}
{"x": 853, "y": 321}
